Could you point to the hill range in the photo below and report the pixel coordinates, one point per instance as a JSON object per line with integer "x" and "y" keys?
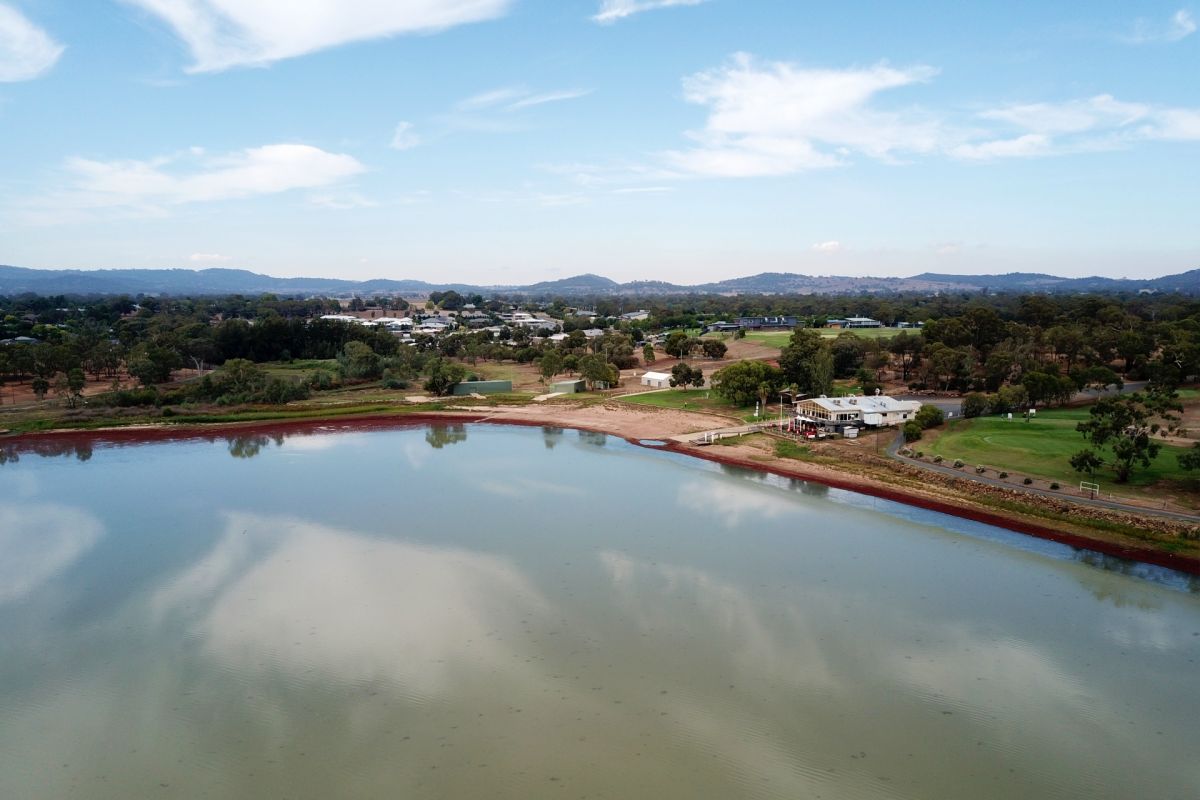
{"x": 19, "y": 280}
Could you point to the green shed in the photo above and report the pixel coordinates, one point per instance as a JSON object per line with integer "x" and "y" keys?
{"x": 482, "y": 387}
{"x": 568, "y": 387}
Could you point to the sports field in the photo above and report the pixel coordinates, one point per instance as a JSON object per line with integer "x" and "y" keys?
{"x": 780, "y": 338}
{"x": 1040, "y": 448}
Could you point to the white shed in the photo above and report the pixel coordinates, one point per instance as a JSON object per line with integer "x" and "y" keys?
{"x": 656, "y": 380}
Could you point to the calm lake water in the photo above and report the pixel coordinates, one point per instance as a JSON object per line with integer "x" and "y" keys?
{"x": 463, "y": 612}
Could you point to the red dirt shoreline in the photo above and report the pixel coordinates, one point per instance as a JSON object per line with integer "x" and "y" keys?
{"x": 209, "y": 433}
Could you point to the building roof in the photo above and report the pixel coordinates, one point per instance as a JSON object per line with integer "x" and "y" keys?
{"x": 656, "y": 376}
{"x": 868, "y": 404}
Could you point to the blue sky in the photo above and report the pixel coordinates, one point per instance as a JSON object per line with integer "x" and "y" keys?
{"x": 505, "y": 141}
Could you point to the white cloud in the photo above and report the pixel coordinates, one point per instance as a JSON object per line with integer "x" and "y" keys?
{"x": 1181, "y": 25}
{"x": 1176, "y": 124}
{"x": 775, "y": 119}
{"x": 404, "y": 138}
{"x": 228, "y": 33}
{"x": 209, "y": 258}
{"x": 150, "y": 187}
{"x": 613, "y": 10}
{"x": 26, "y": 51}
{"x": 828, "y": 247}
{"x": 1031, "y": 144}
{"x": 1082, "y": 125}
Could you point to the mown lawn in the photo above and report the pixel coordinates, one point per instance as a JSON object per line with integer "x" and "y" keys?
{"x": 691, "y": 400}
{"x": 1041, "y": 447}
{"x": 780, "y": 338}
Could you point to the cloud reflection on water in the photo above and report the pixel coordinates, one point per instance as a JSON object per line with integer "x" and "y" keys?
{"x": 37, "y": 542}
{"x": 278, "y": 593}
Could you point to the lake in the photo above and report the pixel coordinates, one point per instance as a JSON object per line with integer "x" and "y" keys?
{"x": 478, "y": 611}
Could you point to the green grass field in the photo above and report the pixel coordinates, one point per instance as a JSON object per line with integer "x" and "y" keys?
{"x": 690, "y": 400}
{"x": 1041, "y": 448}
{"x": 780, "y": 338}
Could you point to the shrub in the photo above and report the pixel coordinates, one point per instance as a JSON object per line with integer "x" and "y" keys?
{"x": 958, "y": 463}
{"x": 322, "y": 379}
{"x": 912, "y": 431}
{"x": 1054, "y": 487}
{"x": 980, "y": 470}
{"x": 1027, "y": 481}
{"x": 126, "y": 398}
{"x": 1003, "y": 475}
{"x": 929, "y": 417}
{"x": 920, "y": 454}
{"x": 392, "y": 379}
{"x": 938, "y": 459}
{"x": 975, "y": 405}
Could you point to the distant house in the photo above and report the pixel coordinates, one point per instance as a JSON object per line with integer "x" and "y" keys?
{"x": 863, "y": 322}
{"x": 636, "y": 316}
{"x": 879, "y": 411}
{"x": 593, "y": 333}
{"x": 766, "y": 323}
{"x": 656, "y": 380}
{"x": 722, "y": 327}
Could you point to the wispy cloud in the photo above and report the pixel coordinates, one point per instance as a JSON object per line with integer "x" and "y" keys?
{"x": 644, "y": 190}
{"x": 515, "y": 98}
{"x": 222, "y": 34}
{"x": 151, "y": 186}
{"x": 828, "y": 247}
{"x": 778, "y": 118}
{"x": 548, "y": 97}
{"x": 614, "y": 10}
{"x": 1029, "y": 145}
{"x": 26, "y": 51}
{"x": 1082, "y": 125}
{"x": 341, "y": 202}
{"x": 492, "y": 98}
{"x": 500, "y": 110}
{"x": 404, "y": 137}
{"x": 1181, "y": 25}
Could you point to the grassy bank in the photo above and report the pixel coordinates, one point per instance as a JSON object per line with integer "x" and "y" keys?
{"x": 691, "y": 400}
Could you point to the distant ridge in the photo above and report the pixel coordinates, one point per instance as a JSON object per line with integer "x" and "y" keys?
{"x": 19, "y": 280}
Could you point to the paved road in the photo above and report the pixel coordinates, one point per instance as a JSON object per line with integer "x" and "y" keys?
{"x": 953, "y": 405}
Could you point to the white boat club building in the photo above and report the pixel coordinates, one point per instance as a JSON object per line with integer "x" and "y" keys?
{"x": 878, "y": 411}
